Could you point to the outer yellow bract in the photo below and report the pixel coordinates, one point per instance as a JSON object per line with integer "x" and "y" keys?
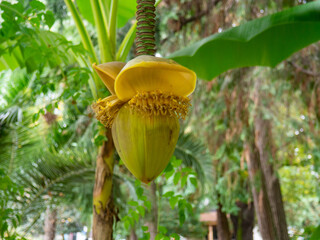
{"x": 108, "y": 73}
{"x": 148, "y": 73}
{"x": 149, "y": 95}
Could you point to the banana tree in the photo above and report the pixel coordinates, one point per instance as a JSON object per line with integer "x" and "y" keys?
{"x": 250, "y": 44}
{"x": 106, "y": 16}
{"x": 35, "y": 48}
{"x": 265, "y": 41}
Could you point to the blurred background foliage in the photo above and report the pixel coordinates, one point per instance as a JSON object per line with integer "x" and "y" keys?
{"x": 49, "y": 136}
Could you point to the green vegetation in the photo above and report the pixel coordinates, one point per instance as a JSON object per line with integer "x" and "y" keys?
{"x": 252, "y": 133}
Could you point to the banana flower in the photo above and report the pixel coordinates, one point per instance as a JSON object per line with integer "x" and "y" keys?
{"x": 149, "y": 95}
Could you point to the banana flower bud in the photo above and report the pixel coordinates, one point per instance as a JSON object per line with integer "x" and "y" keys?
{"x": 149, "y": 95}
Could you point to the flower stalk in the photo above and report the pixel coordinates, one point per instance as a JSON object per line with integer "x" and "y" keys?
{"x": 145, "y": 39}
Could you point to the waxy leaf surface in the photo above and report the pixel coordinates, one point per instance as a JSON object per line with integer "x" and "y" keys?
{"x": 262, "y": 42}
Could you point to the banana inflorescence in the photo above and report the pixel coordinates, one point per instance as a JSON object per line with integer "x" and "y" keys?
{"x": 149, "y": 95}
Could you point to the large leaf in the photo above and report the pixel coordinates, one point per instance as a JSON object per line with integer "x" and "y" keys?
{"x": 262, "y": 42}
{"x": 85, "y": 10}
{"x": 316, "y": 234}
{"x": 126, "y": 11}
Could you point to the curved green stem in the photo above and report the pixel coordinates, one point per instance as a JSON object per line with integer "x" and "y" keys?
{"x": 85, "y": 38}
{"x": 103, "y": 38}
{"x": 94, "y": 82}
{"x": 113, "y": 25}
{"x": 157, "y": 3}
{"x": 106, "y": 7}
{"x": 126, "y": 43}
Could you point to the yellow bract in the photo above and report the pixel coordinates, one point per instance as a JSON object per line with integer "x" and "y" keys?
{"x": 148, "y": 73}
{"x": 108, "y": 73}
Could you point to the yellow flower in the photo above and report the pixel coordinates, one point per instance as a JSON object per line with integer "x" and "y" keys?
{"x": 149, "y": 95}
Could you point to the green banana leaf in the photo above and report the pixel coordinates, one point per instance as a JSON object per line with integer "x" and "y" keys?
{"x": 316, "y": 234}
{"x": 126, "y": 11}
{"x": 262, "y": 42}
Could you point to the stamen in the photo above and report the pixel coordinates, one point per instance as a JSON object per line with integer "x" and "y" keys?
{"x": 158, "y": 103}
{"x": 106, "y": 109}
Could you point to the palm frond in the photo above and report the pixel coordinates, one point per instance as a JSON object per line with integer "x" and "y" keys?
{"x": 20, "y": 142}
{"x": 57, "y": 172}
{"x": 194, "y": 154}
{"x": 67, "y": 176}
{"x": 14, "y": 92}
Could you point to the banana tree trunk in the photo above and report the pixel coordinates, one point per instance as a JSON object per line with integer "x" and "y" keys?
{"x": 50, "y": 223}
{"x": 104, "y": 212}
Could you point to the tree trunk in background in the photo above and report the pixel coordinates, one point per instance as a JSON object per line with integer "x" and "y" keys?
{"x": 153, "y": 223}
{"x": 263, "y": 140}
{"x": 104, "y": 212}
{"x": 316, "y": 105}
{"x": 133, "y": 235}
{"x": 50, "y": 223}
{"x": 223, "y": 226}
{"x": 244, "y": 222}
{"x": 261, "y": 202}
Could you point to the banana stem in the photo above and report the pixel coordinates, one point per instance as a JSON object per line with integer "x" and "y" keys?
{"x": 145, "y": 39}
